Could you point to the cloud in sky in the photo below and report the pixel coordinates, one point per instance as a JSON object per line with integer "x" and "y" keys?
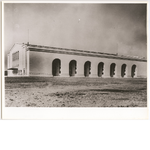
{"x": 100, "y": 27}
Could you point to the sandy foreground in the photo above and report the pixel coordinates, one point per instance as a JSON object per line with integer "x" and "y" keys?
{"x": 75, "y": 92}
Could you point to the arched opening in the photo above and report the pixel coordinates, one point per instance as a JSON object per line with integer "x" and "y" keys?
{"x": 87, "y": 68}
{"x": 112, "y": 69}
{"x": 100, "y": 69}
{"x": 56, "y": 66}
{"x": 72, "y": 67}
{"x": 123, "y": 70}
{"x": 133, "y": 71}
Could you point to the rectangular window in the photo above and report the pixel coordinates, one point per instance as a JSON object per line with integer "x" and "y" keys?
{"x": 15, "y": 56}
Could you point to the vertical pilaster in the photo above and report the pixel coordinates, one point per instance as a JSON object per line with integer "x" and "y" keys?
{"x": 50, "y": 68}
{"x": 129, "y": 71}
{"x": 64, "y": 68}
{"x": 106, "y": 70}
{"x": 28, "y": 62}
{"x": 80, "y": 69}
{"x": 8, "y": 62}
{"x": 94, "y": 69}
{"x": 118, "y": 70}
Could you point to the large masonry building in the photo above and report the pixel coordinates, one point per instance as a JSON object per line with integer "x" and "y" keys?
{"x": 36, "y": 60}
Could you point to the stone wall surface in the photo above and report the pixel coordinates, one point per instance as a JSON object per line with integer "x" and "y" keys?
{"x": 20, "y": 63}
{"x": 41, "y": 64}
{"x": 36, "y": 62}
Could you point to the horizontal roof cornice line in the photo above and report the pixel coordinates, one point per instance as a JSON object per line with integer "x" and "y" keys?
{"x": 83, "y": 54}
{"x": 39, "y": 46}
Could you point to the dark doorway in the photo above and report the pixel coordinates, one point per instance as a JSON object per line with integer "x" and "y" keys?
{"x": 112, "y": 69}
{"x": 87, "y": 68}
{"x": 56, "y": 66}
{"x": 123, "y": 70}
{"x": 133, "y": 71}
{"x": 100, "y": 69}
{"x": 72, "y": 67}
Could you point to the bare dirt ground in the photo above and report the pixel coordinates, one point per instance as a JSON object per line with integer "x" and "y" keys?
{"x": 75, "y": 92}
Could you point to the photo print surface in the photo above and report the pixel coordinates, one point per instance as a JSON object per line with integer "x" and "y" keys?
{"x": 75, "y": 55}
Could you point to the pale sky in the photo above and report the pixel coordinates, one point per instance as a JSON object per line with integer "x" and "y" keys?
{"x": 108, "y": 28}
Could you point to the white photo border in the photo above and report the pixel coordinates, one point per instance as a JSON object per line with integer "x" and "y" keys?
{"x": 72, "y": 113}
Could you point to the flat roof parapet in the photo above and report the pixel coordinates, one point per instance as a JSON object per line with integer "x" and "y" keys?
{"x": 84, "y": 52}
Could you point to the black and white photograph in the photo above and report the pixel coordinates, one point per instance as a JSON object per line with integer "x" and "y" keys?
{"x": 75, "y": 55}
{"x": 74, "y": 75}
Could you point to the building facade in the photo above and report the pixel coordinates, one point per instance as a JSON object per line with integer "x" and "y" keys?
{"x": 37, "y": 60}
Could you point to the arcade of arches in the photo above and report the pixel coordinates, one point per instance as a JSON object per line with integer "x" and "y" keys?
{"x": 56, "y": 69}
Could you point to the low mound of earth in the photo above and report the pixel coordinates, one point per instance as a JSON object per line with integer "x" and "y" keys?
{"x": 75, "y": 92}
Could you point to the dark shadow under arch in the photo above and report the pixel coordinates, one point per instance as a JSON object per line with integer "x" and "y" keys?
{"x": 123, "y": 70}
{"x": 133, "y": 71}
{"x": 112, "y": 69}
{"x": 100, "y": 69}
{"x": 72, "y": 67}
{"x": 87, "y": 68}
{"x": 56, "y": 66}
